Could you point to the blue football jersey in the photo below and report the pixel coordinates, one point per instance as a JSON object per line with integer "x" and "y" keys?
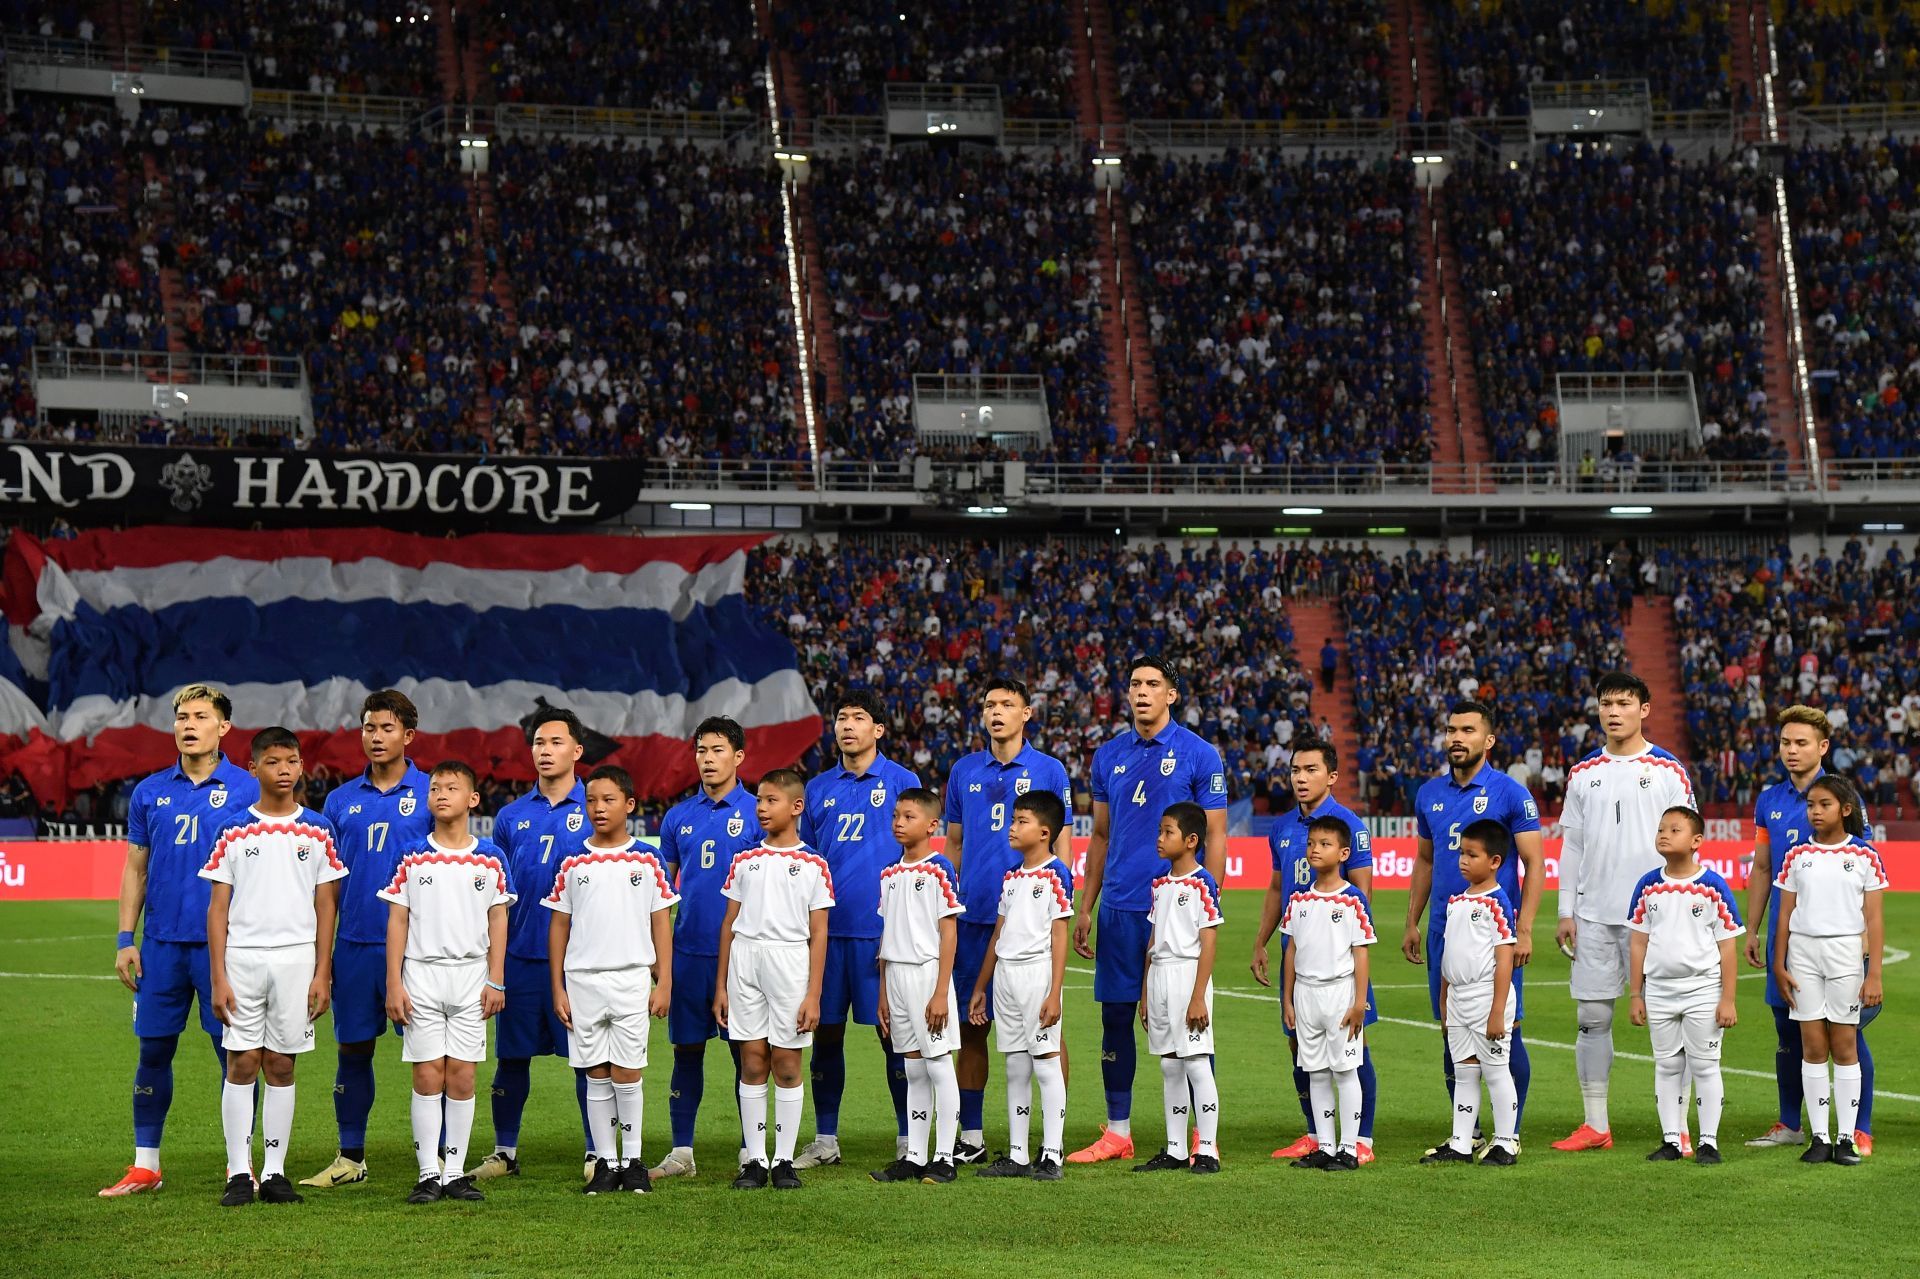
{"x": 536, "y": 837}
{"x": 1444, "y": 809}
{"x": 178, "y": 821}
{"x": 1138, "y": 778}
{"x": 372, "y": 830}
{"x": 979, "y": 801}
{"x": 848, "y": 819}
{"x": 1287, "y": 842}
{"x": 698, "y": 840}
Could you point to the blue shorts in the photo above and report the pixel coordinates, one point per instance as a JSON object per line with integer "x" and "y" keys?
{"x": 970, "y": 945}
{"x": 172, "y": 973}
{"x": 359, "y": 991}
{"x": 690, "y": 1012}
{"x": 1436, "y": 942}
{"x": 528, "y": 1026}
{"x": 852, "y": 981}
{"x": 1120, "y": 955}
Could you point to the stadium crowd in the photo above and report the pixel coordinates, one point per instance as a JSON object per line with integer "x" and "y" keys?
{"x": 1842, "y": 55}
{"x": 318, "y": 46}
{"x": 657, "y": 55}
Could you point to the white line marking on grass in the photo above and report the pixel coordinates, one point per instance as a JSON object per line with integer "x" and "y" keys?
{"x": 65, "y": 976}
{"x": 38, "y": 941}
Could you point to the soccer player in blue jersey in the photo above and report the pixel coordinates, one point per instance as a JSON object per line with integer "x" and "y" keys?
{"x": 848, "y": 819}
{"x": 377, "y": 817}
{"x": 698, "y": 840}
{"x": 1316, "y": 766}
{"x": 172, "y": 824}
{"x": 1472, "y": 790}
{"x": 537, "y": 832}
{"x": 1779, "y": 823}
{"x": 1137, "y": 776}
{"x": 981, "y": 791}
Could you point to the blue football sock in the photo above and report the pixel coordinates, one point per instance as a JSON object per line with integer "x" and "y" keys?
{"x": 1302, "y": 1085}
{"x": 353, "y": 1098}
{"x": 733, "y": 1048}
{"x": 897, "y": 1085}
{"x": 586, "y": 1125}
{"x": 829, "y": 1082}
{"x": 220, "y": 1055}
{"x": 684, "y": 1091}
{"x": 1446, "y": 1065}
{"x": 1117, "y": 1058}
{"x": 512, "y": 1081}
{"x": 1369, "y": 1092}
{"x": 973, "y": 1104}
{"x": 1864, "y": 1120}
{"x": 153, "y": 1089}
{"x": 1786, "y": 1068}
{"x": 1522, "y": 1075}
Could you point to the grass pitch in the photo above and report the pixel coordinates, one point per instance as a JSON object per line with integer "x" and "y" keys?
{"x": 65, "y": 1132}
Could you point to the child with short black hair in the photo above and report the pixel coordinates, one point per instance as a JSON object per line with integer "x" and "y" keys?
{"x": 1176, "y": 992}
{"x": 1476, "y": 999}
{"x": 1323, "y": 990}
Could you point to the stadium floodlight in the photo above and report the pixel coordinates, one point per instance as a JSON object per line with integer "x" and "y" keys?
{"x": 1883, "y": 528}
{"x": 1630, "y": 510}
{"x": 986, "y": 510}
{"x": 1302, "y": 510}
{"x": 691, "y": 506}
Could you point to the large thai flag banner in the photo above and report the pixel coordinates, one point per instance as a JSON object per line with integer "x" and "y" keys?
{"x": 641, "y": 637}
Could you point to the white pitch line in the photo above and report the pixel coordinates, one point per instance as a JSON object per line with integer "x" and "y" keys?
{"x": 65, "y": 976}
{"x": 37, "y": 941}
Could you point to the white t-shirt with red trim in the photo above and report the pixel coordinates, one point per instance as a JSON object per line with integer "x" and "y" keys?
{"x": 1830, "y": 883}
{"x": 612, "y": 894}
{"x": 1685, "y": 921}
{"x": 1182, "y": 906}
{"x": 1322, "y": 930}
{"x": 1030, "y": 900}
{"x": 447, "y": 895}
{"x": 274, "y": 865}
{"x": 1477, "y": 925}
{"x": 778, "y": 890}
{"x": 914, "y": 898}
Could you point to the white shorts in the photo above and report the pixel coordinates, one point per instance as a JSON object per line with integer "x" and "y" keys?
{"x": 1829, "y": 974}
{"x": 1169, "y": 991}
{"x": 270, "y": 986}
{"x": 609, "y": 1017}
{"x": 1600, "y": 954}
{"x": 910, "y": 989}
{"x": 1320, "y": 1041}
{"x": 1464, "y": 1044}
{"x": 446, "y": 1011}
{"x": 1685, "y": 1028}
{"x": 1468, "y": 1008}
{"x": 1018, "y": 991}
{"x": 765, "y": 987}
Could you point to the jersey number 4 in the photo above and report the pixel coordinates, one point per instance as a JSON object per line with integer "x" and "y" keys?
{"x": 1140, "y": 793}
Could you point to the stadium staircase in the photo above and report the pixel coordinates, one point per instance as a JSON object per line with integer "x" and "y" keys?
{"x": 1134, "y": 388}
{"x": 173, "y": 287}
{"x": 1314, "y": 622}
{"x": 1782, "y": 416}
{"x": 1653, "y": 651}
{"x": 1748, "y": 44}
{"x": 1417, "y": 59}
{"x": 1459, "y": 431}
{"x": 1400, "y": 88}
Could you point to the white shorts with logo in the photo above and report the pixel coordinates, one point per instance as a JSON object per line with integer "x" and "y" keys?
{"x": 1685, "y": 1027}
{"x": 1169, "y": 991}
{"x": 1829, "y": 974}
{"x": 1019, "y": 988}
{"x": 270, "y": 986}
{"x": 446, "y": 1011}
{"x": 1320, "y": 1041}
{"x": 766, "y": 984}
{"x": 609, "y": 1017}
{"x": 1600, "y": 954}
{"x": 1468, "y": 1008}
{"x": 910, "y": 989}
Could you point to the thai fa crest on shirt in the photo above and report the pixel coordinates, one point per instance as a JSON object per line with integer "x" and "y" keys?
{"x": 735, "y": 824}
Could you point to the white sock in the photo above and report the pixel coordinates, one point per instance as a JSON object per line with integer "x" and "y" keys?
{"x": 627, "y": 1099}
{"x": 453, "y": 1160}
{"x": 276, "y": 1127}
{"x": 1503, "y": 1098}
{"x": 1347, "y": 1084}
{"x": 1593, "y": 1059}
{"x": 1320, "y": 1096}
{"x": 236, "y": 1123}
{"x": 1121, "y": 1127}
{"x": 1846, "y": 1099}
{"x": 786, "y": 1120}
{"x": 1053, "y": 1107}
{"x": 1466, "y": 1103}
{"x": 1819, "y": 1093}
{"x": 511, "y": 1152}
{"x": 919, "y": 1110}
{"x": 1670, "y": 1097}
{"x": 424, "y": 1111}
{"x": 601, "y": 1118}
{"x": 753, "y": 1122}
{"x": 972, "y": 1136}
{"x": 1019, "y": 1105}
{"x": 1174, "y": 1103}
{"x": 1206, "y": 1103}
{"x": 1713, "y": 1097}
{"x": 147, "y": 1157}
{"x": 946, "y": 1105}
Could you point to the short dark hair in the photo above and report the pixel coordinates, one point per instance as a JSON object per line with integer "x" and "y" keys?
{"x": 1190, "y": 818}
{"x": 1468, "y": 706}
{"x": 861, "y": 699}
{"x": 1622, "y": 682}
{"x": 1333, "y": 826}
{"x": 613, "y": 773}
{"x": 557, "y": 715}
{"x": 1693, "y": 817}
{"x": 919, "y": 795}
{"x": 1017, "y": 687}
{"x": 1490, "y": 835}
{"x": 1047, "y": 808}
{"x": 458, "y": 768}
{"x": 394, "y": 702}
{"x": 1153, "y": 663}
{"x": 722, "y": 726}
{"x": 1854, "y": 822}
{"x": 1329, "y": 753}
{"x": 275, "y": 738}
{"x": 790, "y": 780}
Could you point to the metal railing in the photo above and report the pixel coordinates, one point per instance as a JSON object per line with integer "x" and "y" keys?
{"x": 337, "y": 108}
{"x": 1574, "y": 95}
{"x": 1866, "y": 120}
{"x": 217, "y": 64}
{"x": 938, "y": 96}
{"x": 180, "y": 368}
{"x": 1023, "y": 132}
{"x": 1614, "y": 388}
{"x": 1202, "y": 134}
{"x": 664, "y": 126}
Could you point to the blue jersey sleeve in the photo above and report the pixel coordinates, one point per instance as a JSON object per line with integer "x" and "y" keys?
{"x": 1062, "y": 785}
{"x": 1210, "y": 777}
{"x": 669, "y": 839}
{"x": 1420, "y": 826}
{"x": 1097, "y": 784}
{"x": 1523, "y": 814}
{"x": 137, "y": 817}
{"x": 1273, "y": 842}
{"x": 810, "y": 815}
{"x": 956, "y": 786}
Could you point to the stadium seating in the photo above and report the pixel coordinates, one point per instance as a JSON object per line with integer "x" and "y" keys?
{"x": 1282, "y": 299}
{"x": 1215, "y": 60}
{"x": 316, "y": 46}
{"x": 1855, "y": 242}
{"x": 1844, "y": 55}
{"x": 960, "y": 261}
{"x": 1608, "y": 260}
{"x": 651, "y": 306}
{"x": 683, "y": 55}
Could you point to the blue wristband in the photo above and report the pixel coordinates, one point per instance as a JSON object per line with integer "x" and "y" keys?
{"x": 123, "y": 941}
